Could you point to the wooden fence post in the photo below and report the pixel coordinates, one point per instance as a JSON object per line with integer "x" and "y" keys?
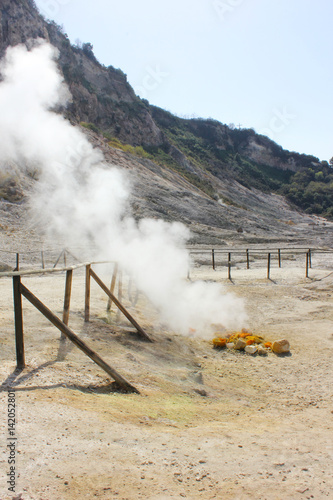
{"x": 279, "y": 257}
{"x": 213, "y": 259}
{"x": 310, "y": 259}
{"x": 112, "y": 286}
{"x": 67, "y": 299}
{"x": 268, "y": 265}
{"x": 19, "y": 337}
{"x": 307, "y": 265}
{"x": 133, "y": 298}
{"x": 229, "y": 266}
{"x": 120, "y": 292}
{"x": 17, "y": 268}
{"x": 43, "y": 260}
{"x": 247, "y": 259}
{"x": 87, "y": 295}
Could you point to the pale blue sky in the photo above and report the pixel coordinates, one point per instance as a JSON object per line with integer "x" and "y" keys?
{"x": 265, "y": 64}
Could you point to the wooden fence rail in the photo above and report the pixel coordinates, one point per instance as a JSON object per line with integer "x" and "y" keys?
{"x": 19, "y": 290}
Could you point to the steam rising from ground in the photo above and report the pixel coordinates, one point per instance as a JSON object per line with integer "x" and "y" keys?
{"x": 82, "y": 200}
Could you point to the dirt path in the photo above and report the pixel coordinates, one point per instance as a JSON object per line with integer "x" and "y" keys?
{"x": 207, "y": 424}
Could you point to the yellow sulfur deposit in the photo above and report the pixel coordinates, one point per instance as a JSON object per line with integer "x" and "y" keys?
{"x": 255, "y": 339}
{"x": 234, "y": 337}
{"x": 219, "y": 342}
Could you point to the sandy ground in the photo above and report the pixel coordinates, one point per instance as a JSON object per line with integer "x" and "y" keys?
{"x": 207, "y": 423}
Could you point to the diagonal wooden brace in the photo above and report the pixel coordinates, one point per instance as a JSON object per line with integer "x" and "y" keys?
{"x": 120, "y": 306}
{"x": 76, "y": 340}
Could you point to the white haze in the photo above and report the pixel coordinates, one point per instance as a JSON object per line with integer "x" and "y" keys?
{"x": 83, "y": 200}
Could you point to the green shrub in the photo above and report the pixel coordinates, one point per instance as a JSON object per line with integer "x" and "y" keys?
{"x": 133, "y": 150}
{"x": 91, "y": 126}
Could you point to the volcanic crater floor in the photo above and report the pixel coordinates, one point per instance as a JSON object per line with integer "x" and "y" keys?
{"x": 207, "y": 423}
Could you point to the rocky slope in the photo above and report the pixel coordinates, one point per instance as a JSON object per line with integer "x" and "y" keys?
{"x": 222, "y": 182}
{"x": 259, "y": 219}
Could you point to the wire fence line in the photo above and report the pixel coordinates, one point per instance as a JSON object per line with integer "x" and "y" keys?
{"x": 47, "y": 259}
{"x": 249, "y": 258}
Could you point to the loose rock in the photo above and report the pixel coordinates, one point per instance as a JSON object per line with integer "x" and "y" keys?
{"x": 281, "y": 346}
{"x": 251, "y": 349}
{"x": 240, "y": 344}
{"x": 262, "y": 351}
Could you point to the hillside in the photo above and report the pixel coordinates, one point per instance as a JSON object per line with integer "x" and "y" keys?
{"x": 213, "y": 178}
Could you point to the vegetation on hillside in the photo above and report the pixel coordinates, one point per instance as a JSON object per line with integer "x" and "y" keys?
{"x": 210, "y": 147}
{"x": 159, "y": 155}
{"x": 310, "y": 188}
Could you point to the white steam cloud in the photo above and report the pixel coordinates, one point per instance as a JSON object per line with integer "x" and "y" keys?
{"x": 85, "y": 201}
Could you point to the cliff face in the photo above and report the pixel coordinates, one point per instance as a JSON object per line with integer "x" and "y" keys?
{"x": 19, "y": 21}
{"x": 100, "y": 95}
{"x": 103, "y": 96}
